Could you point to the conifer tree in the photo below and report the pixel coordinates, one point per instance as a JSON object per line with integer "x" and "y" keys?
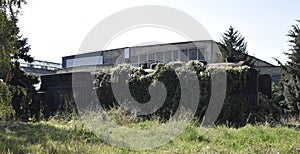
{"x": 13, "y": 47}
{"x": 234, "y": 47}
{"x": 291, "y": 76}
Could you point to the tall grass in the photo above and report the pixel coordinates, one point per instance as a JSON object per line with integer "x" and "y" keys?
{"x": 72, "y": 136}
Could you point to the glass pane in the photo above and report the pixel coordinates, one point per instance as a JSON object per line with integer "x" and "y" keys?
{"x": 110, "y": 61}
{"x": 134, "y": 59}
{"x": 120, "y": 60}
{"x": 201, "y": 54}
{"x": 160, "y": 57}
{"x": 143, "y": 58}
{"x": 70, "y": 63}
{"x": 175, "y": 55}
{"x": 126, "y": 53}
{"x": 193, "y": 54}
{"x": 151, "y": 57}
{"x": 168, "y": 57}
{"x": 184, "y": 55}
{"x": 100, "y": 60}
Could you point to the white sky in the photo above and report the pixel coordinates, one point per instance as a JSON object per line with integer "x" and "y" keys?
{"x": 56, "y": 28}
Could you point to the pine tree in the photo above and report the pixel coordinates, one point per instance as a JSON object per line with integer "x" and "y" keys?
{"x": 291, "y": 76}
{"x": 13, "y": 47}
{"x": 8, "y": 38}
{"x": 233, "y": 46}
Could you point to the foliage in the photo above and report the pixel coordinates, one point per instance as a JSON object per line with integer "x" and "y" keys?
{"x": 8, "y": 39}
{"x": 6, "y": 110}
{"x": 293, "y": 65}
{"x": 234, "y": 47}
{"x": 11, "y": 7}
{"x": 13, "y": 48}
{"x": 10, "y": 3}
{"x": 278, "y": 97}
{"x": 291, "y": 77}
{"x": 233, "y": 42}
{"x": 12, "y": 45}
{"x": 267, "y": 111}
{"x": 24, "y": 100}
{"x": 73, "y": 137}
{"x": 236, "y": 109}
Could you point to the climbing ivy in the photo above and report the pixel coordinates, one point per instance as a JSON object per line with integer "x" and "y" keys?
{"x": 139, "y": 81}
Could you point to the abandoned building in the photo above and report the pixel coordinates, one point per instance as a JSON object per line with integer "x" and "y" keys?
{"x": 205, "y": 51}
{"x": 57, "y": 88}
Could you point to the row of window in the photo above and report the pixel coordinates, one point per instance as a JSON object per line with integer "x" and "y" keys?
{"x": 136, "y": 60}
{"x": 84, "y": 61}
{"x": 166, "y": 57}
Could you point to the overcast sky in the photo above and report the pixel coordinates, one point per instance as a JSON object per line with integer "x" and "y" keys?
{"x": 56, "y": 28}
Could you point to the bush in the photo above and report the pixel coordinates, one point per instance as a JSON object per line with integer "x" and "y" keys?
{"x": 6, "y": 109}
{"x": 236, "y": 110}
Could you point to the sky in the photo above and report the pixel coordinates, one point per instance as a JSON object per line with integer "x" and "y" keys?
{"x": 57, "y": 28}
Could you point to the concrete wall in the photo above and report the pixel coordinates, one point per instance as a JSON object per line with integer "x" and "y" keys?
{"x": 274, "y": 71}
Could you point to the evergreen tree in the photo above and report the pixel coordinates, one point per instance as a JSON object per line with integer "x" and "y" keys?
{"x": 291, "y": 77}
{"x": 233, "y": 46}
{"x": 14, "y": 47}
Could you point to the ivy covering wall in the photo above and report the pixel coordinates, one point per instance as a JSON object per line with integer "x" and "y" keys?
{"x": 236, "y": 109}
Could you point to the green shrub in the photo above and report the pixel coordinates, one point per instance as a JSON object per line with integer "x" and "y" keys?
{"x": 6, "y": 109}
{"x": 268, "y": 110}
{"x": 236, "y": 109}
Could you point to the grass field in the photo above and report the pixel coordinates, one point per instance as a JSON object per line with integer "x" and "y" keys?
{"x": 72, "y": 137}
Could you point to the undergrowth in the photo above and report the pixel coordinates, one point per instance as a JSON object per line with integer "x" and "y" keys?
{"x": 73, "y": 136}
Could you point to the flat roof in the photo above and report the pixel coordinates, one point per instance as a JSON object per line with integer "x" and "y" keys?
{"x": 96, "y": 53}
{"x": 151, "y": 45}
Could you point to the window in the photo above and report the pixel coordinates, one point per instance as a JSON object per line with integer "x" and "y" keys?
{"x": 135, "y": 60}
{"x": 126, "y": 53}
{"x": 160, "y": 57}
{"x": 168, "y": 57}
{"x": 100, "y": 60}
{"x": 84, "y": 61}
{"x": 69, "y": 63}
{"x": 110, "y": 61}
{"x": 193, "y": 54}
{"x": 151, "y": 57}
{"x": 201, "y": 54}
{"x": 120, "y": 60}
{"x": 143, "y": 58}
{"x": 175, "y": 55}
{"x": 183, "y": 55}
